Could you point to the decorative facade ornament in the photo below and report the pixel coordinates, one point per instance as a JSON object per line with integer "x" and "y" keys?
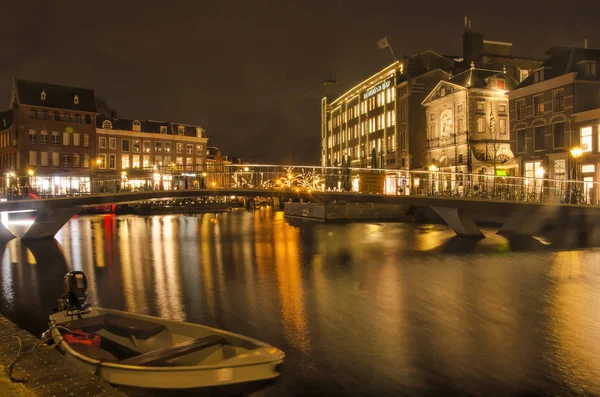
{"x": 43, "y": 95}
{"x": 76, "y": 100}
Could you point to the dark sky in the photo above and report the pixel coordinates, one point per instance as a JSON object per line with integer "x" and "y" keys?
{"x": 251, "y": 72}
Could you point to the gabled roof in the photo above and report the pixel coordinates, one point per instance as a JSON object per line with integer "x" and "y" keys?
{"x": 56, "y": 96}
{"x": 480, "y": 78}
{"x": 442, "y": 89}
{"x": 6, "y": 119}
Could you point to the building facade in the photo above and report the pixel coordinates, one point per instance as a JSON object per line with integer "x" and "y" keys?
{"x": 378, "y": 123}
{"x": 467, "y": 123}
{"x": 50, "y": 144}
{"x": 156, "y": 154}
{"x": 553, "y": 111}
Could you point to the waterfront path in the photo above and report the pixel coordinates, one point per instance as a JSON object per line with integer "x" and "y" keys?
{"x": 46, "y": 371}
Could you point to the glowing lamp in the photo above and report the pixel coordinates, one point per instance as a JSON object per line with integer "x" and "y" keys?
{"x": 433, "y": 168}
{"x": 576, "y": 152}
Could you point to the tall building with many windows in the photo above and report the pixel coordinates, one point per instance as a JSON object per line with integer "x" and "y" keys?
{"x": 555, "y": 110}
{"x": 379, "y": 122}
{"x": 50, "y": 144}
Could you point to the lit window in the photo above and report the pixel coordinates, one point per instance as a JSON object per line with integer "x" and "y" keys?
{"x": 480, "y": 105}
{"x": 112, "y": 143}
{"x": 146, "y": 161}
{"x": 179, "y": 147}
{"x": 168, "y": 147}
{"x": 158, "y": 146}
{"x": 147, "y": 146}
{"x": 44, "y": 159}
{"x": 523, "y": 74}
{"x": 538, "y": 105}
{"x": 158, "y": 160}
{"x": 124, "y": 161}
{"x": 588, "y": 168}
{"x": 586, "y": 139}
{"x": 76, "y": 160}
{"x": 76, "y": 139}
{"x": 502, "y": 107}
{"x": 480, "y": 123}
{"x": 102, "y": 142}
{"x": 163, "y": 129}
{"x": 32, "y": 158}
{"x": 189, "y": 149}
{"x": 32, "y": 137}
{"x": 66, "y": 138}
{"x": 86, "y": 140}
{"x": 135, "y": 161}
{"x": 179, "y": 160}
{"x": 55, "y": 159}
{"x": 102, "y": 163}
{"x": 55, "y": 138}
{"x": 44, "y": 137}
{"x": 107, "y": 125}
{"x": 199, "y": 132}
{"x": 136, "y": 146}
{"x": 502, "y": 126}
{"x": 180, "y": 130}
{"x": 86, "y": 160}
{"x": 189, "y": 163}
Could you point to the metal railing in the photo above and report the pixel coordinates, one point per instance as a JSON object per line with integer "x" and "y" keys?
{"x": 308, "y": 179}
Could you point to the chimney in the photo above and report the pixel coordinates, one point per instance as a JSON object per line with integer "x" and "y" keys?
{"x": 113, "y": 114}
{"x": 585, "y": 44}
{"x": 466, "y": 23}
{"x": 469, "y": 24}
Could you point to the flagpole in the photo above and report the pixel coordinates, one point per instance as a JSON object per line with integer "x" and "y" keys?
{"x": 392, "y": 51}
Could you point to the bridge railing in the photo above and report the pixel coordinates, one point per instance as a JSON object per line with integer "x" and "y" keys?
{"x": 308, "y": 179}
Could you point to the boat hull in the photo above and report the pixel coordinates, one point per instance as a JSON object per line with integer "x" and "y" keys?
{"x": 258, "y": 364}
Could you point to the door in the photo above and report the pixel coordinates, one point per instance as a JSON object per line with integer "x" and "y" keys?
{"x": 588, "y": 184}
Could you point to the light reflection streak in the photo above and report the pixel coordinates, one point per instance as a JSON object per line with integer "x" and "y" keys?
{"x": 575, "y": 320}
{"x": 75, "y": 235}
{"x": 207, "y": 263}
{"x": 7, "y": 282}
{"x": 126, "y": 269}
{"x": 289, "y": 281}
{"x": 98, "y": 244}
{"x": 88, "y": 258}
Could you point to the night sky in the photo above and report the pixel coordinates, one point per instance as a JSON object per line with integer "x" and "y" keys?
{"x": 251, "y": 72}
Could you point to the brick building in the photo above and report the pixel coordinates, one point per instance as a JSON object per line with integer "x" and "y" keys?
{"x": 50, "y": 144}
{"x": 552, "y": 111}
{"x": 146, "y": 153}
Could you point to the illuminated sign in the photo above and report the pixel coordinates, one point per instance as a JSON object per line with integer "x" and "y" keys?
{"x": 378, "y": 88}
{"x": 501, "y": 173}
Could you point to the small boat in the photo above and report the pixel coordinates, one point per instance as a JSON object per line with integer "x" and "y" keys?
{"x": 142, "y": 351}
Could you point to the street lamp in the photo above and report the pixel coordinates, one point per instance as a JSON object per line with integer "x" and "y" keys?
{"x": 576, "y": 152}
{"x": 432, "y": 168}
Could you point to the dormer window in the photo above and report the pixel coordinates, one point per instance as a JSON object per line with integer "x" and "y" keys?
{"x": 76, "y": 100}
{"x": 500, "y": 84}
{"x": 137, "y": 126}
{"x": 43, "y": 95}
{"x": 199, "y": 132}
{"x": 163, "y": 129}
{"x": 180, "y": 130}
{"x": 590, "y": 69}
{"x": 107, "y": 125}
{"x": 538, "y": 75}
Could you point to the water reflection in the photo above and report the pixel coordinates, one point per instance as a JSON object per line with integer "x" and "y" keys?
{"x": 359, "y": 309}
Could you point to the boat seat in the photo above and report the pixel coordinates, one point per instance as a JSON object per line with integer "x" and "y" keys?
{"x": 94, "y": 352}
{"x": 126, "y": 326}
{"x": 158, "y": 356}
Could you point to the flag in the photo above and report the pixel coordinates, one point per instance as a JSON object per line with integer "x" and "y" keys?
{"x": 381, "y": 44}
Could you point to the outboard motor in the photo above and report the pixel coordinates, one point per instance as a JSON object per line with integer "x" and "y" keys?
{"x": 75, "y": 290}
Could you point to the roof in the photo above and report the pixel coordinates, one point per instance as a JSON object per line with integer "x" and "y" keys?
{"x": 564, "y": 60}
{"x": 479, "y": 78}
{"x": 6, "y": 119}
{"x": 151, "y": 126}
{"x": 57, "y": 96}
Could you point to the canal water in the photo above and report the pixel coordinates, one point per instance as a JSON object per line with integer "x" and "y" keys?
{"x": 359, "y": 309}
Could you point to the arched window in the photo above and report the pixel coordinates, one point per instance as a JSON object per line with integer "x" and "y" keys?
{"x": 137, "y": 126}
{"x": 43, "y": 95}
{"x": 76, "y": 100}
{"x": 77, "y": 118}
{"x": 107, "y": 125}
